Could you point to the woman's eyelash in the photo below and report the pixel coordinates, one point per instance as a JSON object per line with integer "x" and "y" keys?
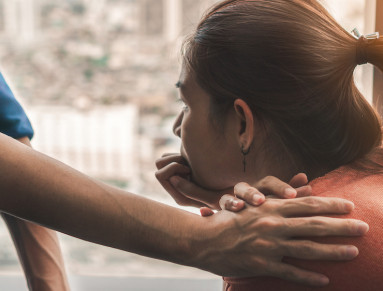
{"x": 183, "y": 103}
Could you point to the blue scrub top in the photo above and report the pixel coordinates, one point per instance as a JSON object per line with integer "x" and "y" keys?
{"x": 13, "y": 120}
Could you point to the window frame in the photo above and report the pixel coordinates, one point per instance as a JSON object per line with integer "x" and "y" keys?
{"x": 378, "y": 75}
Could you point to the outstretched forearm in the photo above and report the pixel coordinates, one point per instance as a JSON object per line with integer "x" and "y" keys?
{"x": 39, "y": 252}
{"x": 41, "y": 189}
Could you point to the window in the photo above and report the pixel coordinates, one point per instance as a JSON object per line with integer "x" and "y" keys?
{"x": 378, "y": 75}
{"x": 190, "y": 14}
{"x": 1, "y": 18}
{"x": 153, "y": 17}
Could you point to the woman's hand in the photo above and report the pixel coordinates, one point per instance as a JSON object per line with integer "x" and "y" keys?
{"x": 259, "y": 237}
{"x": 173, "y": 174}
{"x": 271, "y": 186}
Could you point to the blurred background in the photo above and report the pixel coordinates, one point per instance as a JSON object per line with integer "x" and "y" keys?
{"x": 96, "y": 78}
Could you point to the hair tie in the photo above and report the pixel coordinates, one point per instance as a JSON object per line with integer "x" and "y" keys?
{"x": 361, "y": 53}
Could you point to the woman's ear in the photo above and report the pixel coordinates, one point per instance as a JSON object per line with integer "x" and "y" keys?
{"x": 246, "y": 124}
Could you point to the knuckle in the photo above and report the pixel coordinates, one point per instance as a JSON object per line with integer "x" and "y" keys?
{"x": 317, "y": 222}
{"x": 268, "y": 180}
{"x": 312, "y": 202}
{"x": 173, "y": 164}
{"x": 271, "y": 205}
{"x": 306, "y": 249}
{"x": 248, "y": 194}
{"x": 289, "y": 274}
{"x": 158, "y": 175}
{"x": 239, "y": 186}
{"x": 158, "y": 162}
{"x": 351, "y": 225}
{"x": 266, "y": 245}
{"x": 268, "y": 223}
{"x": 223, "y": 200}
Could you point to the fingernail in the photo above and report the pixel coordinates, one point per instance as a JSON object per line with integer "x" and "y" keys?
{"x": 351, "y": 252}
{"x": 349, "y": 206}
{"x": 362, "y": 227}
{"x": 257, "y": 198}
{"x": 174, "y": 181}
{"x": 290, "y": 192}
{"x": 234, "y": 203}
{"x": 323, "y": 280}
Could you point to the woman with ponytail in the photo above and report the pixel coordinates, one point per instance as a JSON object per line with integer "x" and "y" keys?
{"x": 269, "y": 90}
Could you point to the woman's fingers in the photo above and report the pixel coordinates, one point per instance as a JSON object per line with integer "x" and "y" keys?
{"x": 308, "y": 250}
{"x": 304, "y": 191}
{"x": 231, "y": 203}
{"x": 206, "y": 211}
{"x": 299, "y": 180}
{"x": 249, "y": 194}
{"x": 170, "y": 170}
{"x": 170, "y": 154}
{"x": 323, "y": 226}
{"x": 192, "y": 191}
{"x": 291, "y": 273}
{"x": 273, "y": 186}
{"x": 166, "y": 174}
{"x": 167, "y": 159}
{"x": 312, "y": 205}
{"x": 270, "y": 186}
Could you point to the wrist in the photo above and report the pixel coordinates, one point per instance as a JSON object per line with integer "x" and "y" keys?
{"x": 210, "y": 242}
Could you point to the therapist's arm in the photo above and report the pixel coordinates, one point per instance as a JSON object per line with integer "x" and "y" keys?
{"x": 250, "y": 243}
{"x": 39, "y": 252}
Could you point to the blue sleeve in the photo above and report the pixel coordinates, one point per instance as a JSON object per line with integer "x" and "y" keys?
{"x": 13, "y": 120}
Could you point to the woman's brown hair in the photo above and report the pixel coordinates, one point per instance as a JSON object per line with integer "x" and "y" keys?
{"x": 293, "y": 64}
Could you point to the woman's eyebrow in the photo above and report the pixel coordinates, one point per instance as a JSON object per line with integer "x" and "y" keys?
{"x": 181, "y": 86}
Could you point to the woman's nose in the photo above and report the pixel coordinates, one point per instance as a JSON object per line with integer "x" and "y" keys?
{"x": 177, "y": 124}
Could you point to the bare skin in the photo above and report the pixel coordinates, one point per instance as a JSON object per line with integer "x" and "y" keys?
{"x": 39, "y": 252}
{"x": 216, "y": 158}
{"x": 40, "y": 189}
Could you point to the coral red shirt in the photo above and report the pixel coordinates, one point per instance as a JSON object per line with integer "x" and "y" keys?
{"x": 364, "y": 272}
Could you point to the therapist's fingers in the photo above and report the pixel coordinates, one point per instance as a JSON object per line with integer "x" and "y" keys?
{"x": 309, "y": 250}
{"x": 291, "y": 273}
{"x": 310, "y": 206}
{"x": 231, "y": 203}
{"x": 323, "y": 226}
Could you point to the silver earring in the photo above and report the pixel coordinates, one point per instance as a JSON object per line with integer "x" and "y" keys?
{"x": 244, "y": 154}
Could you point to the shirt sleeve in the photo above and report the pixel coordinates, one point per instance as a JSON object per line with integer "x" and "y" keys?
{"x": 13, "y": 120}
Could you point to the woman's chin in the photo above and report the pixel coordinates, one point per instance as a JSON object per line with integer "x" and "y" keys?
{"x": 209, "y": 184}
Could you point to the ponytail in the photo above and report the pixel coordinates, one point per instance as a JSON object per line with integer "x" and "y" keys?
{"x": 369, "y": 49}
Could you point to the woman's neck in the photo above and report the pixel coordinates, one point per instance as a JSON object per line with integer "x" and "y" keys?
{"x": 282, "y": 167}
